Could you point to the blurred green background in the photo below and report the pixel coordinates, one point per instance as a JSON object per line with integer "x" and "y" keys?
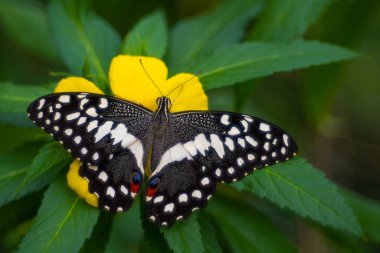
{"x": 333, "y": 111}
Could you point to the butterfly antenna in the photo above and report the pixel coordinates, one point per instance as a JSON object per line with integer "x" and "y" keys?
{"x": 150, "y": 78}
{"x": 176, "y": 97}
{"x": 188, "y": 80}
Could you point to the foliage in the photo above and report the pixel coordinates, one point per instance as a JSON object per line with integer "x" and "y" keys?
{"x": 236, "y": 48}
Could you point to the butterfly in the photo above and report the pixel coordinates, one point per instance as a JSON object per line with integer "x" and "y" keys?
{"x": 188, "y": 152}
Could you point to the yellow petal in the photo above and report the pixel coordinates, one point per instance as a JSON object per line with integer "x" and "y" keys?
{"x": 76, "y": 84}
{"x": 79, "y": 184}
{"x": 187, "y": 97}
{"x": 129, "y": 81}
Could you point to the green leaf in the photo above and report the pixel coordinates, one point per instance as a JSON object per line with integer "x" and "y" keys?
{"x": 223, "y": 26}
{"x": 154, "y": 240}
{"x": 18, "y": 136}
{"x": 367, "y": 212}
{"x": 51, "y": 156}
{"x": 287, "y": 20}
{"x": 16, "y": 98}
{"x": 148, "y": 37}
{"x": 208, "y": 232}
{"x": 100, "y": 234}
{"x": 237, "y": 63}
{"x": 63, "y": 222}
{"x": 24, "y": 20}
{"x": 299, "y": 187}
{"x": 247, "y": 230}
{"x": 127, "y": 232}
{"x": 87, "y": 37}
{"x": 185, "y": 236}
{"x": 14, "y": 167}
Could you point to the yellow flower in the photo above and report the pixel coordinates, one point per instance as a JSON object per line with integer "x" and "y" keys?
{"x": 129, "y": 81}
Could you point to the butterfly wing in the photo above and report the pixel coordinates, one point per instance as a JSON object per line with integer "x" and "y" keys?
{"x": 106, "y": 134}
{"x": 204, "y": 148}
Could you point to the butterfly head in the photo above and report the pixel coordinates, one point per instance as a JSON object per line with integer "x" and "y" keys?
{"x": 163, "y": 102}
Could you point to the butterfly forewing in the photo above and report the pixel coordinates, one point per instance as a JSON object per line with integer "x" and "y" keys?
{"x": 203, "y": 148}
{"x": 106, "y": 134}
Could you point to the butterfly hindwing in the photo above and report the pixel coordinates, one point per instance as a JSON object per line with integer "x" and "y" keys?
{"x": 102, "y": 132}
{"x": 111, "y": 181}
{"x": 214, "y": 147}
{"x": 183, "y": 188}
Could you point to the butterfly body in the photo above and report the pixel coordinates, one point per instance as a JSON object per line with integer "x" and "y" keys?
{"x": 188, "y": 152}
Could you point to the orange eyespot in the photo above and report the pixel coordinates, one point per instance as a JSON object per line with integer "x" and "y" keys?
{"x": 136, "y": 182}
{"x": 153, "y": 187}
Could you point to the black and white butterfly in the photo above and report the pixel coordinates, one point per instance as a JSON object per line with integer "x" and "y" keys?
{"x": 188, "y": 152}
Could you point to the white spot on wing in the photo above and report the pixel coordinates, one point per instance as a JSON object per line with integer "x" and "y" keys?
{"x": 169, "y": 208}
{"x": 224, "y": 120}
{"x": 77, "y": 139}
{"x": 264, "y": 127}
{"x": 92, "y": 125}
{"x": 217, "y": 144}
{"x": 234, "y": 131}
{"x": 82, "y": 103}
{"x": 286, "y": 139}
{"x": 91, "y": 112}
{"x": 231, "y": 170}
{"x": 103, "y": 176}
{"x": 138, "y": 151}
{"x": 95, "y": 156}
{"x": 241, "y": 142}
{"x": 174, "y": 154}
{"x": 196, "y": 194}
{"x": 205, "y": 181}
{"x": 103, "y": 103}
{"x": 251, "y": 141}
{"x": 81, "y": 120}
{"x": 201, "y": 143}
{"x": 229, "y": 143}
{"x": 69, "y": 131}
{"x": 94, "y": 168}
{"x": 191, "y": 148}
{"x": 249, "y": 119}
{"x": 182, "y": 198}
{"x": 118, "y": 133}
{"x": 158, "y": 199}
{"x": 110, "y": 192}
{"x": 84, "y": 151}
{"x": 41, "y": 103}
{"x": 73, "y": 116}
{"x": 64, "y": 99}
{"x": 124, "y": 190}
{"x": 103, "y": 130}
{"x": 250, "y": 157}
{"x": 57, "y": 116}
{"x": 245, "y": 125}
